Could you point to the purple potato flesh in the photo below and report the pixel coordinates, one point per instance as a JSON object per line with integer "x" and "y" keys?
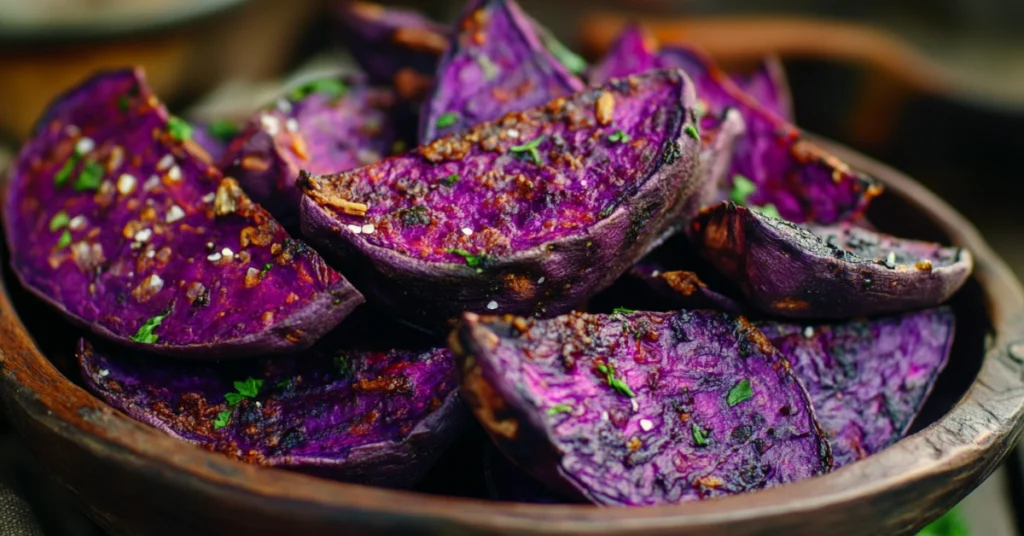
{"x": 497, "y": 64}
{"x": 792, "y": 174}
{"x": 214, "y": 137}
{"x": 386, "y": 41}
{"x": 768, "y": 86}
{"x": 839, "y": 271}
{"x": 867, "y": 379}
{"x": 640, "y": 408}
{"x": 685, "y": 289}
{"x": 531, "y": 214}
{"x": 372, "y": 417}
{"x": 113, "y": 216}
{"x": 327, "y": 126}
{"x": 633, "y": 52}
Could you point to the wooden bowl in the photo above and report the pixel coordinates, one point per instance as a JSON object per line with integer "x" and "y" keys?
{"x": 136, "y": 480}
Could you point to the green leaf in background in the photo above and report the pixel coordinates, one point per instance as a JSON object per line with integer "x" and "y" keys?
{"x": 951, "y": 524}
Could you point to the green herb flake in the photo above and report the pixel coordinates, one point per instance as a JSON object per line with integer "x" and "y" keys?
{"x": 768, "y": 210}
{"x": 64, "y": 174}
{"x": 488, "y": 67}
{"x": 447, "y": 119}
{"x": 473, "y": 261}
{"x": 59, "y": 221}
{"x": 691, "y": 131}
{"x": 739, "y": 393}
{"x": 249, "y": 388}
{"x": 700, "y": 437}
{"x": 452, "y": 179}
{"x": 90, "y": 177}
{"x": 530, "y": 148}
{"x": 222, "y": 420}
{"x": 742, "y": 189}
{"x": 622, "y": 311}
{"x": 619, "y": 137}
{"x": 559, "y": 408}
{"x": 332, "y": 87}
{"x": 223, "y": 130}
{"x": 343, "y": 364}
{"x": 64, "y": 240}
{"x": 569, "y": 59}
{"x": 122, "y": 103}
{"x": 283, "y": 384}
{"x": 145, "y": 334}
{"x": 615, "y": 383}
{"x": 606, "y": 211}
{"x": 179, "y": 129}
{"x": 263, "y": 271}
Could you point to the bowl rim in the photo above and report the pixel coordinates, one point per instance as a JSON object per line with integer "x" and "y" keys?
{"x": 966, "y": 444}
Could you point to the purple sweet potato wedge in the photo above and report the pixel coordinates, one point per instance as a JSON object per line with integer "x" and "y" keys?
{"x": 867, "y": 379}
{"x": 769, "y": 87}
{"x": 640, "y": 408}
{"x": 838, "y": 271}
{"x": 685, "y": 289}
{"x": 325, "y": 126}
{"x": 789, "y": 173}
{"x": 633, "y": 52}
{"x": 372, "y": 417}
{"x": 530, "y": 214}
{"x": 497, "y": 64}
{"x": 386, "y": 40}
{"x": 113, "y": 217}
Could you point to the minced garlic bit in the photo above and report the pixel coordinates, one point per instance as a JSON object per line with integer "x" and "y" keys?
{"x": 368, "y": 228}
{"x": 126, "y": 183}
{"x": 605, "y": 107}
{"x": 355, "y": 229}
{"x": 174, "y": 214}
{"x": 646, "y": 425}
{"x": 270, "y": 124}
{"x": 227, "y": 253}
{"x": 165, "y": 162}
{"x": 467, "y": 231}
{"x": 215, "y": 256}
{"x": 77, "y": 223}
{"x": 143, "y": 235}
{"x": 291, "y": 125}
{"x": 84, "y": 146}
{"x": 492, "y": 305}
{"x": 174, "y": 174}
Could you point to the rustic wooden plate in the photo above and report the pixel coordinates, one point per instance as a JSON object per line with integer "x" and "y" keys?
{"x": 136, "y": 480}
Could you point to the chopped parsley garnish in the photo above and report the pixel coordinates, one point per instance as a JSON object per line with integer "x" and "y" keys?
{"x": 739, "y": 392}
{"x": 615, "y": 383}
{"x": 447, "y": 119}
{"x": 179, "y": 129}
{"x": 529, "y": 147}
{"x": 64, "y": 240}
{"x": 59, "y": 221}
{"x": 619, "y": 137}
{"x": 473, "y": 261}
{"x": 145, "y": 333}
{"x": 222, "y": 420}
{"x": 622, "y": 311}
{"x": 691, "y": 131}
{"x": 90, "y": 177}
{"x": 768, "y": 210}
{"x": 263, "y": 271}
{"x": 332, "y": 87}
{"x": 64, "y": 174}
{"x": 700, "y": 437}
{"x": 559, "y": 408}
{"x": 343, "y": 364}
{"x": 284, "y": 384}
{"x": 244, "y": 389}
{"x": 452, "y": 179}
{"x": 742, "y": 189}
{"x": 223, "y": 130}
{"x": 606, "y": 211}
{"x": 487, "y": 66}
{"x": 951, "y": 523}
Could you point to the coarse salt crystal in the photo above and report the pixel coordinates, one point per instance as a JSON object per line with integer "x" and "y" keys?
{"x": 492, "y": 305}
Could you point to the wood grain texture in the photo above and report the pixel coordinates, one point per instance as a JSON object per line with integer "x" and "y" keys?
{"x": 137, "y": 480}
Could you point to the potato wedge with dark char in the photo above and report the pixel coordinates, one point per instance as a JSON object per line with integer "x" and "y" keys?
{"x": 372, "y": 417}
{"x": 838, "y": 271}
{"x": 867, "y": 379}
{"x": 117, "y": 219}
{"x": 529, "y": 214}
{"x": 640, "y": 408}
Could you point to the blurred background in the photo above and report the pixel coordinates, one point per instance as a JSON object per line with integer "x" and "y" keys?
{"x": 934, "y": 88}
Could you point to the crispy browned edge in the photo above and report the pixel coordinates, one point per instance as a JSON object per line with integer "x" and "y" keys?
{"x": 137, "y": 480}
